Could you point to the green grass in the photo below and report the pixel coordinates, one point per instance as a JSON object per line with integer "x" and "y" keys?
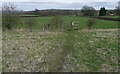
{"x": 29, "y": 15}
{"x": 101, "y": 24}
{"x": 73, "y": 51}
{"x": 94, "y": 49}
{"x": 104, "y": 24}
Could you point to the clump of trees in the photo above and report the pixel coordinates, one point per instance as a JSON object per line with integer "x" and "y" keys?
{"x": 102, "y": 11}
{"x": 54, "y": 12}
{"x": 10, "y": 16}
{"x": 91, "y": 22}
{"x": 88, "y": 11}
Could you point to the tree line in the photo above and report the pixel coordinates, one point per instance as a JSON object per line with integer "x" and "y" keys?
{"x": 85, "y": 11}
{"x": 53, "y": 12}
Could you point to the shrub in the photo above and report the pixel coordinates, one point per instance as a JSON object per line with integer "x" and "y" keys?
{"x": 91, "y": 22}
{"x": 69, "y": 26}
{"x": 30, "y": 22}
{"x": 10, "y": 15}
{"x": 56, "y": 22}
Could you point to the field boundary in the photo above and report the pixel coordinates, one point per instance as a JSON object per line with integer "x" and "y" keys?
{"x": 107, "y": 18}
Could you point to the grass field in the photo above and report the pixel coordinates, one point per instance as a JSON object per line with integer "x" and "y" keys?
{"x": 75, "y": 51}
{"x": 84, "y": 50}
{"x": 29, "y": 15}
{"x": 100, "y": 24}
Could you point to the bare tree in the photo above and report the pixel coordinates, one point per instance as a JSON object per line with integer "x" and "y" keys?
{"x": 117, "y": 11}
{"x": 9, "y": 15}
{"x": 88, "y": 11}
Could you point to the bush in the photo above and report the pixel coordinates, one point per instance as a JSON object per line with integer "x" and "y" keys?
{"x": 69, "y": 26}
{"x": 30, "y": 22}
{"x": 56, "y": 22}
{"x": 91, "y": 22}
{"x": 10, "y": 15}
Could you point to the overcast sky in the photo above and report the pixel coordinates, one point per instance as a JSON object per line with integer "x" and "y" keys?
{"x": 27, "y": 5}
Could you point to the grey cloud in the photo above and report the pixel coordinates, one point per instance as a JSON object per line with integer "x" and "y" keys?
{"x": 61, "y": 5}
{"x": 108, "y": 5}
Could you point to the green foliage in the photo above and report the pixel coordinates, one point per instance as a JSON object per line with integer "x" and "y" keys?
{"x": 10, "y": 17}
{"x": 9, "y": 20}
{"x": 102, "y": 11}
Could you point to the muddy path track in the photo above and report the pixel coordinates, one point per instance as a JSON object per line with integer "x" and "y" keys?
{"x": 66, "y": 47}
